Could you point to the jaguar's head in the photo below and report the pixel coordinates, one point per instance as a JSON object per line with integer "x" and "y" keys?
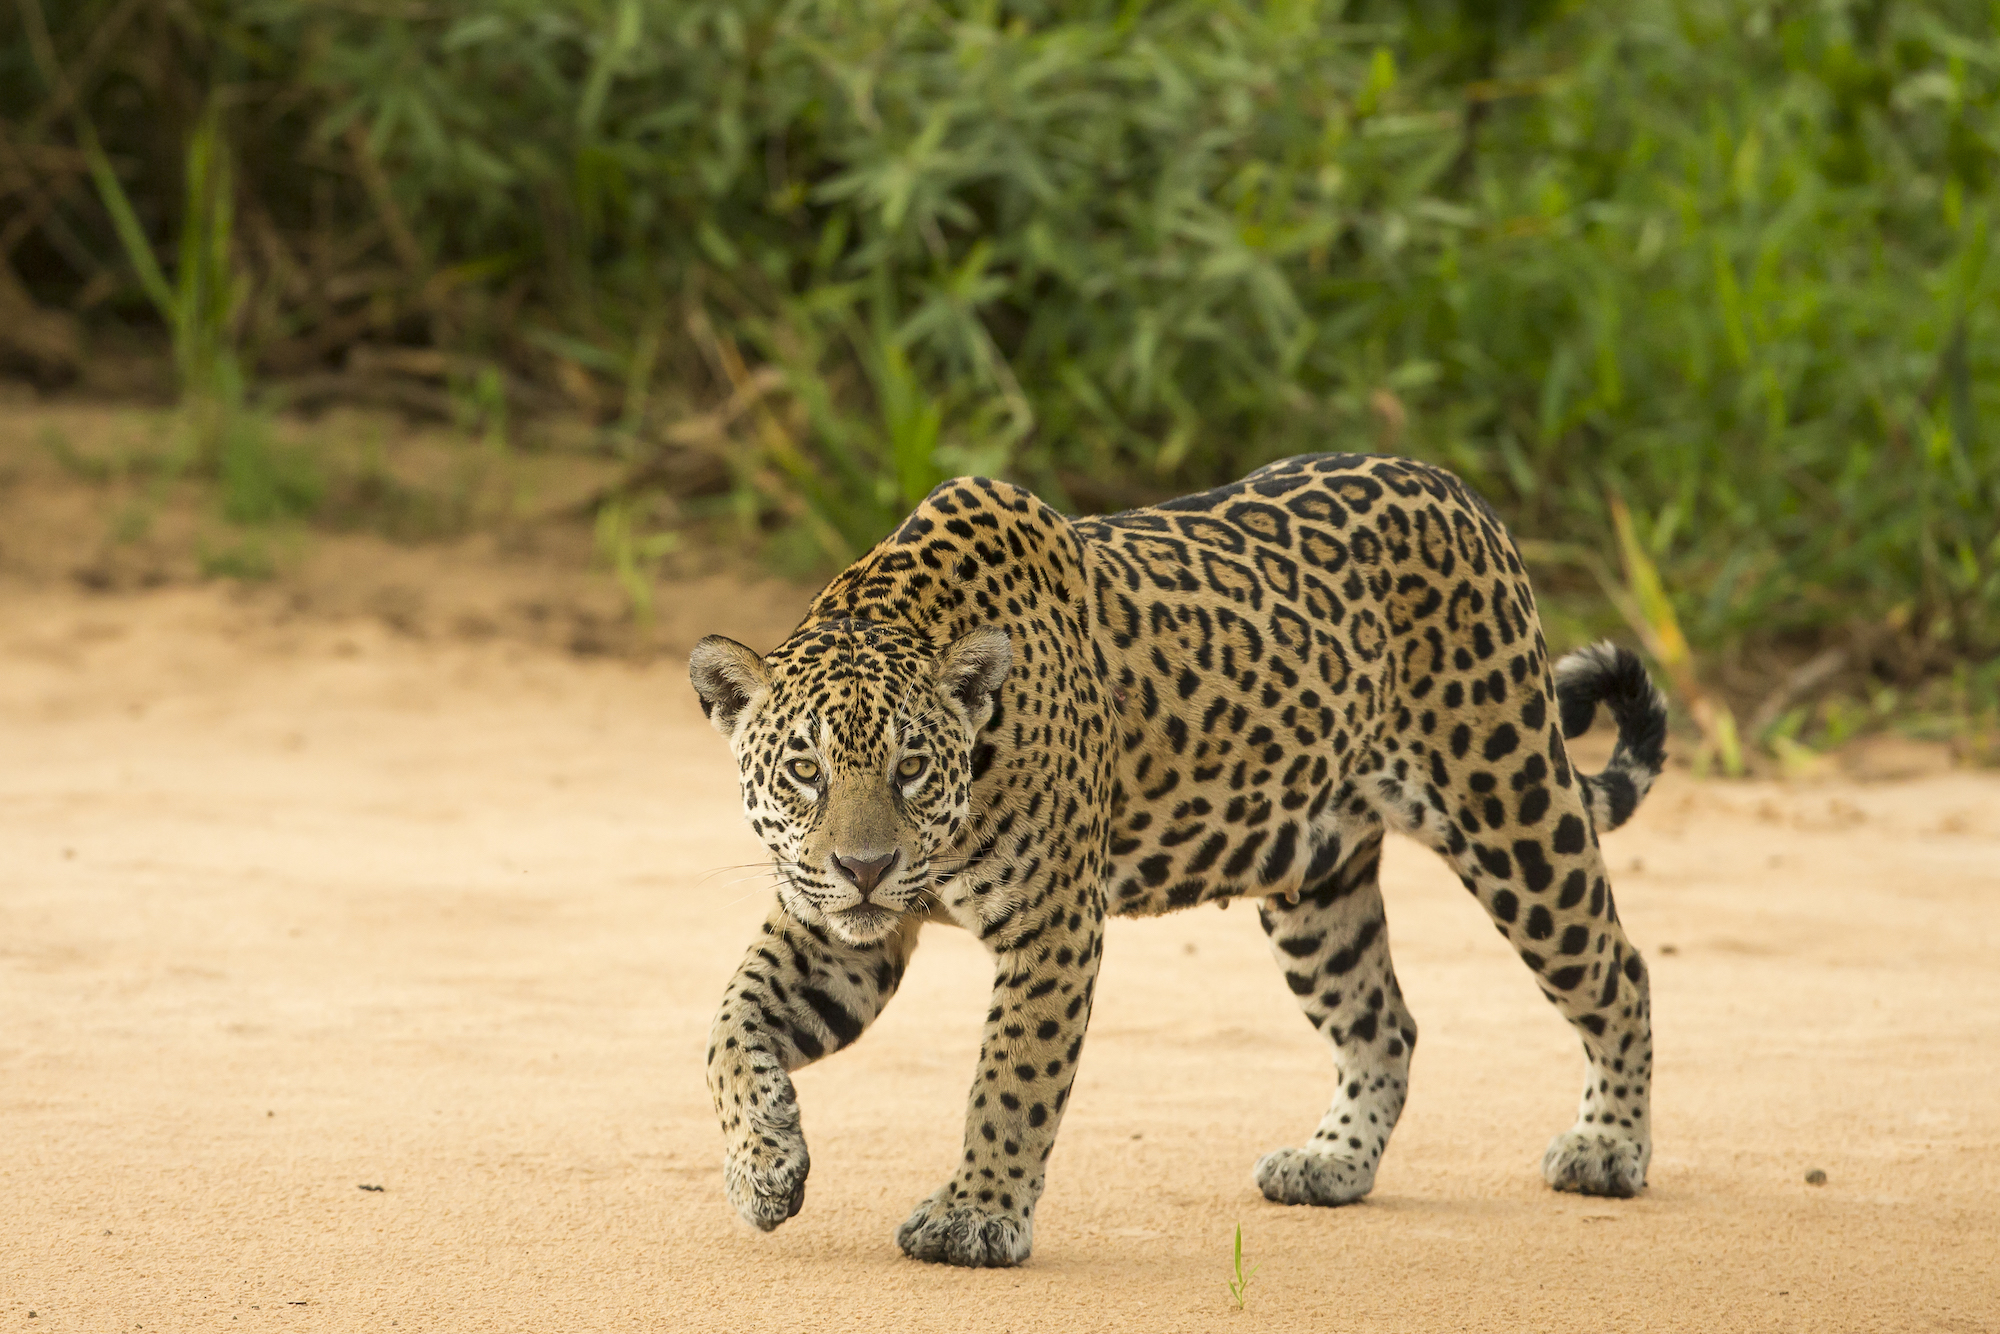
{"x": 855, "y": 743}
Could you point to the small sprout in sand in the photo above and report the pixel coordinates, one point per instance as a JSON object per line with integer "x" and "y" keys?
{"x": 1816, "y": 1177}
{"x": 1240, "y": 1285}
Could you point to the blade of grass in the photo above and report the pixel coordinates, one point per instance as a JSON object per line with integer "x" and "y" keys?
{"x": 125, "y": 221}
{"x": 1650, "y": 612}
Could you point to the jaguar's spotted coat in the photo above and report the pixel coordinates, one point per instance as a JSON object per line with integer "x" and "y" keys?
{"x": 1017, "y": 723}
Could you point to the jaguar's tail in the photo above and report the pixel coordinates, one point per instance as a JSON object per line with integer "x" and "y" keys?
{"x": 1613, "y": 676}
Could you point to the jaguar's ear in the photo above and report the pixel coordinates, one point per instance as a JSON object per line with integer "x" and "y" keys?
{"x": 728, "y": 677}
{"x": 972, "y": 668}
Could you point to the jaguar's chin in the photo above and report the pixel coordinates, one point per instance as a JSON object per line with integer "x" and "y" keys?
{"x": 863, "y": 924}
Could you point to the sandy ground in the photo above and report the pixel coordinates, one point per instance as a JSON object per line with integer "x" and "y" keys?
{"x": 296, "y": 910}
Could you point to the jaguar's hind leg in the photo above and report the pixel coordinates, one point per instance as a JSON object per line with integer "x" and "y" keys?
{"x": 1333, "y": 945}
{"x": 1522, "y": 838}
{"x": 1608, "y": 1000}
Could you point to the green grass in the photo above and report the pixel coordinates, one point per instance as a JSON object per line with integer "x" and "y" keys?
{"x": 632, "y": 555}
{"x": 258, "y": 482}
{"x": 1723, "y": 263}
{"x": 1239, "y": 1283}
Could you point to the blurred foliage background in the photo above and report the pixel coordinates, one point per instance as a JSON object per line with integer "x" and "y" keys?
{"x": 1698, "y": 292}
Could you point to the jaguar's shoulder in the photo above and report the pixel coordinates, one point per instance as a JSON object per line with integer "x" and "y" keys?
{"x": 975, "y": 550}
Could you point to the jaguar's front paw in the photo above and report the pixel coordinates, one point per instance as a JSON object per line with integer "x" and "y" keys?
{"x": 765, "y": 1176}
{"x": 1300, "y": 1176}
{"x": 951, "y": 1232}
{"x": 1595, "y": 1164}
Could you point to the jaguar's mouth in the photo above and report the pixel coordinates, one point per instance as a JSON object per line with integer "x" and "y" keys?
{"x": 863, "y": 922}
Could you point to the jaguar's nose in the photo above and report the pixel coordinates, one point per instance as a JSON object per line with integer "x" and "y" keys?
{"x": 866, "y": 873}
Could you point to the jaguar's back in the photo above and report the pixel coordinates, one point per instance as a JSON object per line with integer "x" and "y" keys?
{"x": 1277, "y": 643}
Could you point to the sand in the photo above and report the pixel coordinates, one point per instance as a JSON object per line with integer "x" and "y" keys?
{"x": 298, "y": 909}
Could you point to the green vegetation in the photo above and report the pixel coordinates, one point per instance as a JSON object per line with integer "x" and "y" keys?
{"x": 1239, "y": 1283}
{"x": 1721, "y": 263}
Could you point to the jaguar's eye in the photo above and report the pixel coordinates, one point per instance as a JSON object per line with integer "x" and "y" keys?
{"x": 912, "y": 767}
{"x": 803, "y": 770}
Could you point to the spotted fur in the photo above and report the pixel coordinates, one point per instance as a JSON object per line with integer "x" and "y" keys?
{"x": 1017, "y": 723}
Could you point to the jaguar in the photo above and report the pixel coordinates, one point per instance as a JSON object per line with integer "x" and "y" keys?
{"x": 1018, "y": 723}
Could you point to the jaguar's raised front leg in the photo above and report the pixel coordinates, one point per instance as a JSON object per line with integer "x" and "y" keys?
{"x": 797, "y": 995}
{"x": 1045, "y": 971}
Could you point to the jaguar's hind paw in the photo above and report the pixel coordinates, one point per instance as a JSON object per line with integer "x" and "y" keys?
{"x": 1300, "y": 1176}
{"x": 1595, "y": 1164}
